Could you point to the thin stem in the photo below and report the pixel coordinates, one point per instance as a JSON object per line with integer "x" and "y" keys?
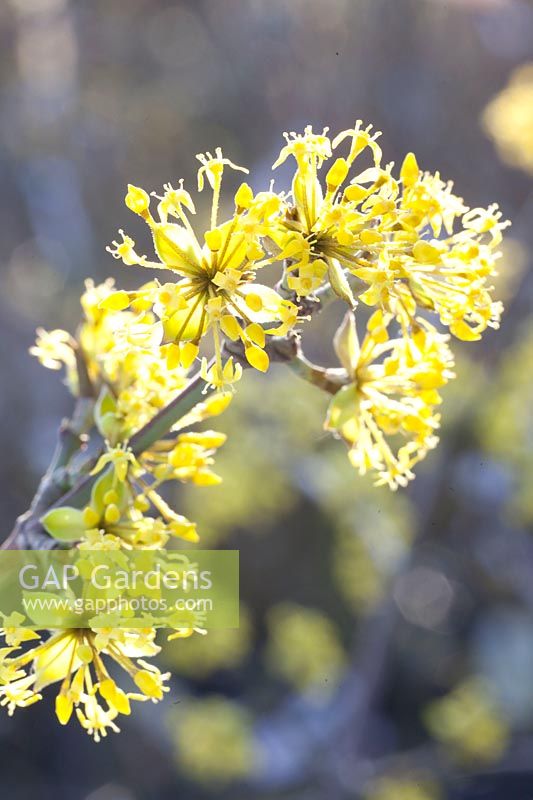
{"x": 168, "y": 416}
{"x": 329, "y": 380}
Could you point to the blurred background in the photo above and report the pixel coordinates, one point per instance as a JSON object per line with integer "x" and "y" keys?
{"x": 386, "y": 642}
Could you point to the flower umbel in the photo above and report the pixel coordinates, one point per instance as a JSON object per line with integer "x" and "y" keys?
{"x": 400, "y": 237}
{"x": 217, "y": 289}
{"x": 78, "y": 660}
{"x": 386, "y": 412}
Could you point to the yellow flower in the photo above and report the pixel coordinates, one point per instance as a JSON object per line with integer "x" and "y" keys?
{"x": 127, "y": 488}
{"x": 410, "y": 786}
{"x": 116, "y": 515}
{"x": 417, "y": 266}
{"x": 122, "y": 351}
{"x": 122, "y": 461}
{"x": 386, "y": 410}
{"x": 214, "y": 740}
{"x": 78, "y": 659}
{"x": 54, "y": 349}
{"x": 412, "y": 241}
{"x": 468, "y": 723}
{"x": 217, "y": 289}
{"x": 320, "y": 230}
{"x": 135, "y": 374}
{"x": 508, "y": 119}
{"x": 304, "y": 648}
{"x": 188, "y": 458}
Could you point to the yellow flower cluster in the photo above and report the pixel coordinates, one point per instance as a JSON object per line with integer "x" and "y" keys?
{"x": 132, "y": 377}
{"x": 508, "y": 119}
{"x": 117, "y": 514}
{"x": 77, "y": 659}
{"x": 468, "y": 723}
{"x": 386, "y": 412}
{"x": 217, "y": 289}
{"x": 396, "y": 236}
{"x": 214, "y": 740}
{"x": 413, "y": 785}
{"x": 305, "y": 649}
{"x": 122, "y": 352}
{"x": 405, "y": 246}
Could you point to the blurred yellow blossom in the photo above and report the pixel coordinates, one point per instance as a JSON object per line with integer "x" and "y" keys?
{"x": 402, "y": 787}
{"x": 468, "y": 723}
{"x": 199, "y": 656}
{"x": 304, "y": 648}
{"x": 504, "y": 422}
{"x": 508, "y": 119}
{"x": 369, "y": 548}
{"x": 214, "y": 742}
{"x": 54, "y": 349}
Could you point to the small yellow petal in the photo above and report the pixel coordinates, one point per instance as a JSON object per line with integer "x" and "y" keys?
{"x": 213, "y": 239}
{"x": 148, "y": 685}
{"x": 256, "y": 333}
{"x": 116, "y": 301}
{"x": 137, "y": 200}
{"x": 121, "y": 702}
{"x": 337, "y": 173}
{"x": 464, "y": 332}
{"x": 205, "y": 477}
{"x": 217, "y": 403}
{"x": 64, "y": 707}
{"x": 355, "y": 193}
{"x": 141, "y": 503}
{"x": 257, "y": 358}
{"x": 173, "y": 356}
{"x": 230, "y": 327}
{"x": 189, "y": 351}
{"x": 244, "y": 196}
{"x": 370, "y": 236}
{"x": 90, "y": 517}
{"x": 254, "y": 302}
{"x": 111, "y": 497}
{"x": 426, "y": 253}
{"x": 116, "y": 698}
{"x": 85, "y": 653}
{"x": 208, "y": 439}
{"x": 410, "y": 170}
{"x": 185, "y": 530}
{"x": 112, "y": 514}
